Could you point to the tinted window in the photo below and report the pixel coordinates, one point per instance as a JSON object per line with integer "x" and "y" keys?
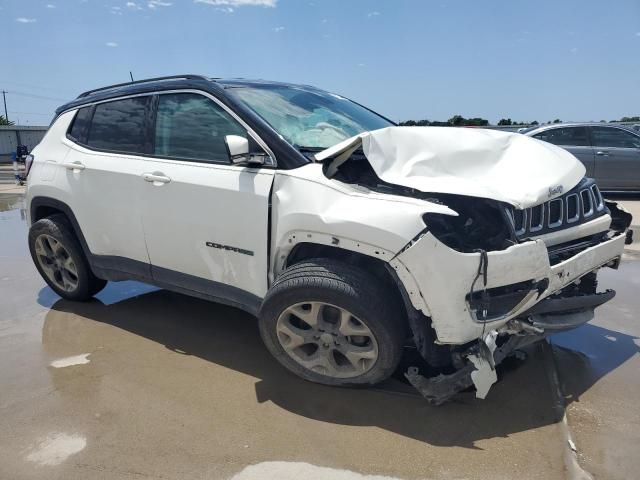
{"x": 191, "y": 126}
{"x": 78, "y": 129}
{"x": 614, "y": 138}
{"x": 120, "y": 125}
{"x": 569, "y": 136}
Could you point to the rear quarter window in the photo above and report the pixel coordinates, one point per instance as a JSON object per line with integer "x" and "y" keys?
{"x": 78, "y": 129}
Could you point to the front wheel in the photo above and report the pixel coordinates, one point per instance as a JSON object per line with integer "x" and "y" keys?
{"x": 333, "y": 323}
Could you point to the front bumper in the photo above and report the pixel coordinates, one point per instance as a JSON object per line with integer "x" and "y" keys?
{"x": 441, "y": 282}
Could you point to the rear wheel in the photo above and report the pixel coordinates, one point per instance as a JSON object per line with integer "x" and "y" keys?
{"x": 332, "y": 323}
{"x": 57, "y": 255}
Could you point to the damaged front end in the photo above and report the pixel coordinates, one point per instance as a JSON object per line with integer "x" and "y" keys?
{"x": 516, "y": 264}
{"x": 488, "y": 295}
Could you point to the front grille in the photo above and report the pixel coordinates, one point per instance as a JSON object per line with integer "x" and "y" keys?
{"x": 582, "y": 204}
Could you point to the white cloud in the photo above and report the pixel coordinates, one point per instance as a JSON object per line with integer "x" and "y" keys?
{"x": 133, "y": 6}
{"x": 373, "y": 14}
{"x": 50, "y": 5}
{"x": 25, "y": 20}
{"x": 637, "y": 34}
{"x": 278, "y": 29}
{"x": 225, "y": 9}
{"x": 111, "y": 44}
{"x": 239, "y": 3}
{"x": 574, "y": 50}
{"x": 116, "y": 10}
{"x": 153, "y": 4}
{"x": 362, "y": 65}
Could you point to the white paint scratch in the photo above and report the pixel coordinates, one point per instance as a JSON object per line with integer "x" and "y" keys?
{"x": 56, "y": 448}
{"x": 298, "y": 470}
{"x": 70, "y": 361}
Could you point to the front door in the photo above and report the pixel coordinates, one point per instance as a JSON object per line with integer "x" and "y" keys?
{"x": 205, "y": 219}
{"x": 617, "y": 158}
{"x": 573, "y": 139}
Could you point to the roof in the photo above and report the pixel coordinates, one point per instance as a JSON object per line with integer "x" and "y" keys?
{"x": 164, "y": 83}
{"x": 538, "y": 128}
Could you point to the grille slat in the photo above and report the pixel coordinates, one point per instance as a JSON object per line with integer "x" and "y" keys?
{"x": 583, "y": 203}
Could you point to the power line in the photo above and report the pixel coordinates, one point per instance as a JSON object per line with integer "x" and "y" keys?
{"x": 32, "y": 113}
{"x": 39, "y": 97}
{"x": 31, "y": 86}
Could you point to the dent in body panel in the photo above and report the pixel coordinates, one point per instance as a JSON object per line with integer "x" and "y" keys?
{"x": 445, "y": 277}
{"x": 308, "y": 207}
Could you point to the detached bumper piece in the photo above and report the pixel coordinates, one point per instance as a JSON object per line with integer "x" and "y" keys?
{"x": 478, "y": 372}
{"x": 551, "y": 315}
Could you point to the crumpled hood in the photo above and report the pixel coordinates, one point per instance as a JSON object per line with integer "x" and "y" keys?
{"x": 507, "y": 167}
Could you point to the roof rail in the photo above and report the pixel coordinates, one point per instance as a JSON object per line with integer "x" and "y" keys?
{"x": 171, "y": 77}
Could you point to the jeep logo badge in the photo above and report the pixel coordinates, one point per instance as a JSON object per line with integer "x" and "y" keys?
{"x": 555, "y": 190}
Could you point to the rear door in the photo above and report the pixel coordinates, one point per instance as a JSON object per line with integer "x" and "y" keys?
{"x": 205, "y": 220}
{"x": 573, "y": 139}
{"x": 102, "y": 169}
{"x": 617, "y": 153}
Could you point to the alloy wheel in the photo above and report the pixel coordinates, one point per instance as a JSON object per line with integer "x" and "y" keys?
{"x": 327, "y": 339}
{"x": 56, "y": 262}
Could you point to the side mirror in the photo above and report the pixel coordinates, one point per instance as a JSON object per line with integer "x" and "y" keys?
{"x": 244, "y": 151}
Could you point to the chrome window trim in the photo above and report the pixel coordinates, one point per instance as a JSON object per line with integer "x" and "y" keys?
{"x": 250, "y": 131}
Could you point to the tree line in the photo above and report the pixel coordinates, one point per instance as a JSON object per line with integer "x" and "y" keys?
{"x": 460, "y": 121}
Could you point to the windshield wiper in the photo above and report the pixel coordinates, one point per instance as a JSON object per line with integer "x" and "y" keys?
{"x": 304, "y": 149}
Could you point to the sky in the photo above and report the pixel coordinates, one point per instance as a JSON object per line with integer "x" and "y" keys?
{"x": 407, "y": 59}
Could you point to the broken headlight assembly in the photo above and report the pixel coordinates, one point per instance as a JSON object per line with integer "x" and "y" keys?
{"x": 481, "y": 224}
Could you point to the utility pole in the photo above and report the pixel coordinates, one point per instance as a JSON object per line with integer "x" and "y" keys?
{"x": 131, "y": 75}
{"x": 4, "y": 97}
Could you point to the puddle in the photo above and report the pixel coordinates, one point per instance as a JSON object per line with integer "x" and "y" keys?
{"x": 71, "y": 361}
{"x": 56, "y": 448}
{"x": 11, "y": 202}
{"x": 298, "y": 470}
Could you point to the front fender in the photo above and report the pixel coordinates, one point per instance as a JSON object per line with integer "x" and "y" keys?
{"x": 308, "y": 207}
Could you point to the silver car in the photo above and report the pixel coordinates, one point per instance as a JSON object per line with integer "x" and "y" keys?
{"x": 611, "y": 153}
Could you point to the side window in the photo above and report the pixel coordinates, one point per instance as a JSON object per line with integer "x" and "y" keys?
{"x": 614, "y": 138}
{"x": 568, "y": 136}
{"x": 193, "y": 127}
{"x": 120, "y": 126}
{"x": 78, "y": 130}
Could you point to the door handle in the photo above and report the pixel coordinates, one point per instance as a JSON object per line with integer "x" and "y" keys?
{"x": 74, "y": 166}
{"x": 157, "y": 178}
{"x": 602, "y": 153}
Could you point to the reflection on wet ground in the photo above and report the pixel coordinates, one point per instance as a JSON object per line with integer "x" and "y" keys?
{"x": 146, "y": 382}
{"x": 11, "y": 202}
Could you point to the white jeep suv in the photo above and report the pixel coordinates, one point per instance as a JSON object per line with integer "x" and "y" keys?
{"x": 347, "y": 236}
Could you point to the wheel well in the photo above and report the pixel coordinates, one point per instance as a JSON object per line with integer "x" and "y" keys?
{"x": 423, "y": 335}
{"x": 376, "y": 267}
{"x": 44, "y": 211}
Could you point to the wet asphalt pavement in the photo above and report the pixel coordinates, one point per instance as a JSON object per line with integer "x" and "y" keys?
{"x": 145, "y": 383}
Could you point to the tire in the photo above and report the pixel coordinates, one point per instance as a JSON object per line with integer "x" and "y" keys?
{"x": 69, "y": 274}
{"x": 341, "y": 288}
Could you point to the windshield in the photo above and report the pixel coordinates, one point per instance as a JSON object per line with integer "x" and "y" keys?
{"x": 309, "y": 118}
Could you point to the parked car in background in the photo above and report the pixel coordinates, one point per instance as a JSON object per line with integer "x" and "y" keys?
{"x": 611, "y": 153}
